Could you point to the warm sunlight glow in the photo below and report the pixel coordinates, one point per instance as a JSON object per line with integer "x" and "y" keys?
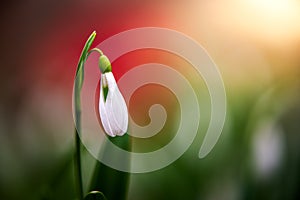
{"x": 272, "y": 19}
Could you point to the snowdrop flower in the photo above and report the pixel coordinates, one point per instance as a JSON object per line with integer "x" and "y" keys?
{"x": 112, "y": 107}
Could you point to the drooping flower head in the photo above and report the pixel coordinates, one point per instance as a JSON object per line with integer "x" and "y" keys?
{"x": 112, "y": 107}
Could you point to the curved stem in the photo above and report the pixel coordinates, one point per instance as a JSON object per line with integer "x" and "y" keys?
{"x": 78, "y": 82}
{"x": 95, "y": 50}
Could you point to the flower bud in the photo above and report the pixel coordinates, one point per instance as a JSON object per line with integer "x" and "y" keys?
{"x": 104, "y": 64}
{"x": 112, "y": 107}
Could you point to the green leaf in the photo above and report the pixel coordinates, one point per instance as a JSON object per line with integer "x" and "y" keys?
{"x": 95, "y": 195}
{"x": 80, "y": 71}
{"x": 113, "y": 183}
{"x": 77, "y": 89}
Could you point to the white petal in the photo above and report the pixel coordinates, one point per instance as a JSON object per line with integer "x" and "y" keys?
{"x": 102, "y": 111}
{"x": 113, "y": 112}
{"x": 116, "y": 104}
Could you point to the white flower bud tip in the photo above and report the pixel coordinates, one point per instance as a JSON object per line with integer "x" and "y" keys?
{"x": 113, "y": 111}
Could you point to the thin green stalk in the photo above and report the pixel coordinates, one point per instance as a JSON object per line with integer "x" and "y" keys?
{"x": 77, "y": 89}
{"x": 78, "y": 165}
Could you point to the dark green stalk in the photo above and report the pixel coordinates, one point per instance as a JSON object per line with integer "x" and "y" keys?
{"x": 113, "y": 183}
{"x": 78, "y": 165}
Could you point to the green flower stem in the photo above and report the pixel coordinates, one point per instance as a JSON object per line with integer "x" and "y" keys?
{"x": 95, "y": 50}
{"x": 78, "y": 165}
{"x": 77, "y": 103}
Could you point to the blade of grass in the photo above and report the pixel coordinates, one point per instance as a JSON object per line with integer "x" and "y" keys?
{"x": 77, "y": 103}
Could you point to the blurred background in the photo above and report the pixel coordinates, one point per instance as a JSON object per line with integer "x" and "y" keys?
{"x": 256, "y": 45}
